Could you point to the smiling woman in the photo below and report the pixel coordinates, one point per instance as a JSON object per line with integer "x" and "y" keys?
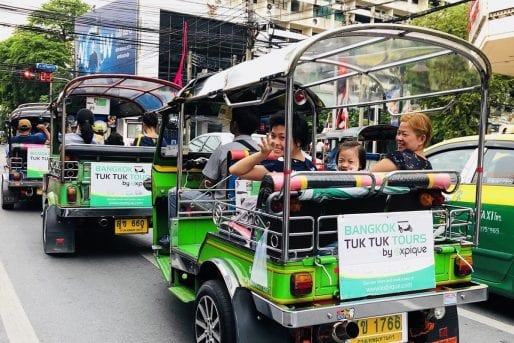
{"x": 413, "y": 135}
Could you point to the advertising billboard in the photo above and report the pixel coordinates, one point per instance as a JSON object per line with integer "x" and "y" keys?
{"x": 106, "y": 41}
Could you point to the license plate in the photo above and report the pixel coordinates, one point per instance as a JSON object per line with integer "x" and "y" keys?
{"x": 132, "y": 225}
{"x": 387, "y": 329}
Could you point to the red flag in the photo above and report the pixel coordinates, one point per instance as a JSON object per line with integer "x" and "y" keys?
{"x": 342, "y": 93}
{"x": 178, "y": 76}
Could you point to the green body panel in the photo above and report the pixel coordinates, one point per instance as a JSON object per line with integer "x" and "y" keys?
{"x": 493, "y": 259}
{"x": 163, "y": 263}
{"x": 161, "y": 184}
{"x": 324, "y": 270}
{"x": 190, "y": 231}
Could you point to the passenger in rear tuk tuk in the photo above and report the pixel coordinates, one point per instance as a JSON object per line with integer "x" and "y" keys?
{"x": 25, "y": 135}
{"x": 149, "y": 128}
{"x": 412, "y": 137}
{"x": 351, "y": 156}
{"x": 255, "y": 166}
{"x": 84, "y": 133}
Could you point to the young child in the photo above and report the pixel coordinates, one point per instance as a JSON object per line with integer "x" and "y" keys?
{"x": 351, "y": 156}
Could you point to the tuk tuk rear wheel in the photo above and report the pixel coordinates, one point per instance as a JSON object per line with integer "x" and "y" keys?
{"x": 9, "y": 205}
{"x": 214, "y": 316}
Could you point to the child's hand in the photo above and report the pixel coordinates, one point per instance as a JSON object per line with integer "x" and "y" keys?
{"x": 266, "y": 146}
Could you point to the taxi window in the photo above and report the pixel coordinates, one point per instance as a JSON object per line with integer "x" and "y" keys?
{"x": 499, "y": 167}
{"x": 451, "y": 159}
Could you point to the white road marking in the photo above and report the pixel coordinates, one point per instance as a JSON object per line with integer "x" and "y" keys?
{"x": 16, "y": 323}
{"x": 487, "y": 321}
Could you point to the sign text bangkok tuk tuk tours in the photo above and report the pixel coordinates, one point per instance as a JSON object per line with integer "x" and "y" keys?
{"x": 26, "y": 155}
{"x": 321, "y": 256}
{"x": 98, "y": 186}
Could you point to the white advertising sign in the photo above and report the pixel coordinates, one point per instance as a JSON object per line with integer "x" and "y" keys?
{"x": 381, "y": 253}
{"x": 120, "y": 184}
{"x": 37, "y": 160}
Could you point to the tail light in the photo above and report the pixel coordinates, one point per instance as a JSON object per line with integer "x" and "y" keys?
{"x": 16, "y": 176}
{"x": 431, "y": 198}
{"x": 463, "y": 266}
{"x": 71, "y": 194}
{"x": 301, "y": 283}
{"x": 300, "y": 98}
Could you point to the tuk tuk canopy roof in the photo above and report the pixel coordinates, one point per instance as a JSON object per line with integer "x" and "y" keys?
{"x": 133, "y": 94}
{"x": 380, "y": 63}
{"x": 33, "y": 110}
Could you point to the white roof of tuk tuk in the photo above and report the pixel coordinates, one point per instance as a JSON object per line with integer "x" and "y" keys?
{"x": 282, "y": 62}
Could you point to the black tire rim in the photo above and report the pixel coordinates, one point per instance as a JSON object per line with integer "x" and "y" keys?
{"x": 207, "y": 321}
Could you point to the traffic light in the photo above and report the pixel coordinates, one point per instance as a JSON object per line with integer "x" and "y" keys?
{"x": 28, "y": 75}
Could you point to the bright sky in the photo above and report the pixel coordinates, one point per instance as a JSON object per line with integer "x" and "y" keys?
{"x": 11, "y": 17}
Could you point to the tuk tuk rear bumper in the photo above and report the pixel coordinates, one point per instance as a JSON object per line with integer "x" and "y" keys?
{"x": 24, "y": 184}
{"x": 364, "y": 308}
{"x": 114, "y": 212}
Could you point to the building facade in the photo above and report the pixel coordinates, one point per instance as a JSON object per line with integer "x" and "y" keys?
{"x": 189, "y": 37}
{"x": 491, "y": 28}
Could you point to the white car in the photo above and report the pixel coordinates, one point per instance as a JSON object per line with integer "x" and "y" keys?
{"x": 207, "y": 142}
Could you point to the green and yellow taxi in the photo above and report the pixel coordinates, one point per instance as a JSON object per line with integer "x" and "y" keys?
{"x": 494, "y": 257}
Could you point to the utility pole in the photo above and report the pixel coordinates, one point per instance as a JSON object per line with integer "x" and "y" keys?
{"x": 251, "y": 30}
{"x": 189, "y": 66}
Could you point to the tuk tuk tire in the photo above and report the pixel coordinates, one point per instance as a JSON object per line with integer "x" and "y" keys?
{"x": 213, "y": 298}
{"x": 7, "y": 206}
{"x": 5, "y": 190}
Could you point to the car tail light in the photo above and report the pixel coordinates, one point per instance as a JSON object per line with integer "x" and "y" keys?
{"x": 300, "y": 98}
{"x": 301, "y": 283}
{"x": 463, "y": 265}
{"x": 16, "y": 176}
{"x": 71, "y": 194}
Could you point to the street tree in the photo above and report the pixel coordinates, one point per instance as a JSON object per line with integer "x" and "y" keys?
{"x": 57, "y": 18}
{"x": 47, "y": 39}
{"x": 20, "y": 52}
{"x": 464, "y": 120}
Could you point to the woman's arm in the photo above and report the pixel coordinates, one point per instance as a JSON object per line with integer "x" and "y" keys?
{"x": 384, "y": 165}
{"x": 248, "y": 167}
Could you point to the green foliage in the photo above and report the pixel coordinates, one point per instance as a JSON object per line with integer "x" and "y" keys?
{"x": 463, "y": 118}
{"x": 23, "y": 50}
{"x": 452, "y": 20}
{"x": 58, "y": 16}
{"x": 26, "y": 47}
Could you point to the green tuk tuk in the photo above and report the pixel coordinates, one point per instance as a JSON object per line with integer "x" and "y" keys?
{"x": 323, "y": 256}
{"x": 99, "y": 186}
{"x": 27, "y": 160}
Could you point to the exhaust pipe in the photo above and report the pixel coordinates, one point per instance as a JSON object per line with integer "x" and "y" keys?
{"x": 341, "y": 331}
{"x": 103, "y": 222}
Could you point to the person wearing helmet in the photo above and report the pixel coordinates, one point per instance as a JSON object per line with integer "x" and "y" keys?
{"x": 100, "y": 128}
